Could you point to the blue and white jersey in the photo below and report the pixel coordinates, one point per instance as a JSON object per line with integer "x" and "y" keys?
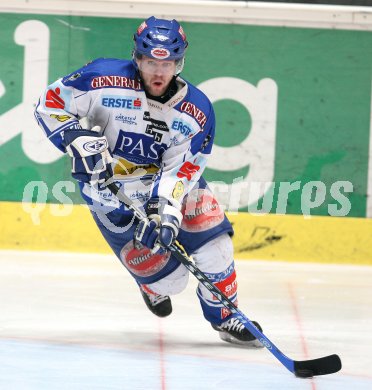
{"x": 158, "y": 149}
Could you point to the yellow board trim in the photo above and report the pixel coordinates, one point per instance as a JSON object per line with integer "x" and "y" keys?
{"x": 267, "y": 237}
{"x": 304, "y": 239}
{"x": 48, "y": 230}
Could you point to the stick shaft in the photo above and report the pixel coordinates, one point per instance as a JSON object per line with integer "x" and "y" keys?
{"x": 326, "y": 365}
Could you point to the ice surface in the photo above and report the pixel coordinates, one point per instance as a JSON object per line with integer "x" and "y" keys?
{"x": 73, "y": 321}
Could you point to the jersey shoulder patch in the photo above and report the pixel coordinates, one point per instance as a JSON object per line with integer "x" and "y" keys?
{"x": 197, "y": 105}
{"x": 102, "y": 72}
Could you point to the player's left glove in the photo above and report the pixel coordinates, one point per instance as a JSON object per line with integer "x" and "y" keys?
{"x": 91, "y": 157}
{"x": 162, "y": 227}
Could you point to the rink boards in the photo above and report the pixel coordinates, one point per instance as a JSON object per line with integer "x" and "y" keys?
{"x": 315, "y": 139}
{"x": 267, "y": 237}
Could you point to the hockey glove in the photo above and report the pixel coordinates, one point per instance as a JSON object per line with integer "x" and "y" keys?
{"x": 91, "y": 157}
{"x": 162, "y": 228}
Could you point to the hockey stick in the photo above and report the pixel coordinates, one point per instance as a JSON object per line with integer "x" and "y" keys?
{"x": 301, "y": 368}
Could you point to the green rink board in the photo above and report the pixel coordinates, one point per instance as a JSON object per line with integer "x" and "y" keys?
{"x": 323, "y": 110}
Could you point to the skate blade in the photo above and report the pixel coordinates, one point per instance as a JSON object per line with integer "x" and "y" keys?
{"x": 231, "y": 339}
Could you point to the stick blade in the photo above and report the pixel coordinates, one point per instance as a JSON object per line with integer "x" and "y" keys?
{"x": 322, "y": 366}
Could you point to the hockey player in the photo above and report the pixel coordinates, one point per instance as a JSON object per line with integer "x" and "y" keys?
{"x": 154, "y": 131}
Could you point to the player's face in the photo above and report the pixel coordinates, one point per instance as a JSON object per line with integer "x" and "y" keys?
{"x": 156, "y": 74}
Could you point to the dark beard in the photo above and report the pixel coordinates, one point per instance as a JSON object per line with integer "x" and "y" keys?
{"x": 168, "y": 94}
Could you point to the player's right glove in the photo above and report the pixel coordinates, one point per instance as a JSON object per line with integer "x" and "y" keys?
{"x": 91, "y": 157}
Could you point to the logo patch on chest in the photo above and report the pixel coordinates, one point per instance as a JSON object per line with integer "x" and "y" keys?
{"x": 155, "y": 127}
{"x": 116, "y": 101}
{"x": 138, "y": 148}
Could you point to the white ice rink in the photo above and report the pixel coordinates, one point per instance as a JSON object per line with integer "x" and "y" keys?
{"x": 78, "y": 322}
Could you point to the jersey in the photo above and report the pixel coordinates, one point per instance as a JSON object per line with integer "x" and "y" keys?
{"x": 159, "y": 150}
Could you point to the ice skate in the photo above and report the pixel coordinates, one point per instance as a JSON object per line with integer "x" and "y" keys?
{"x": 160, "y": 305}
{"x": 233, "y": 331}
